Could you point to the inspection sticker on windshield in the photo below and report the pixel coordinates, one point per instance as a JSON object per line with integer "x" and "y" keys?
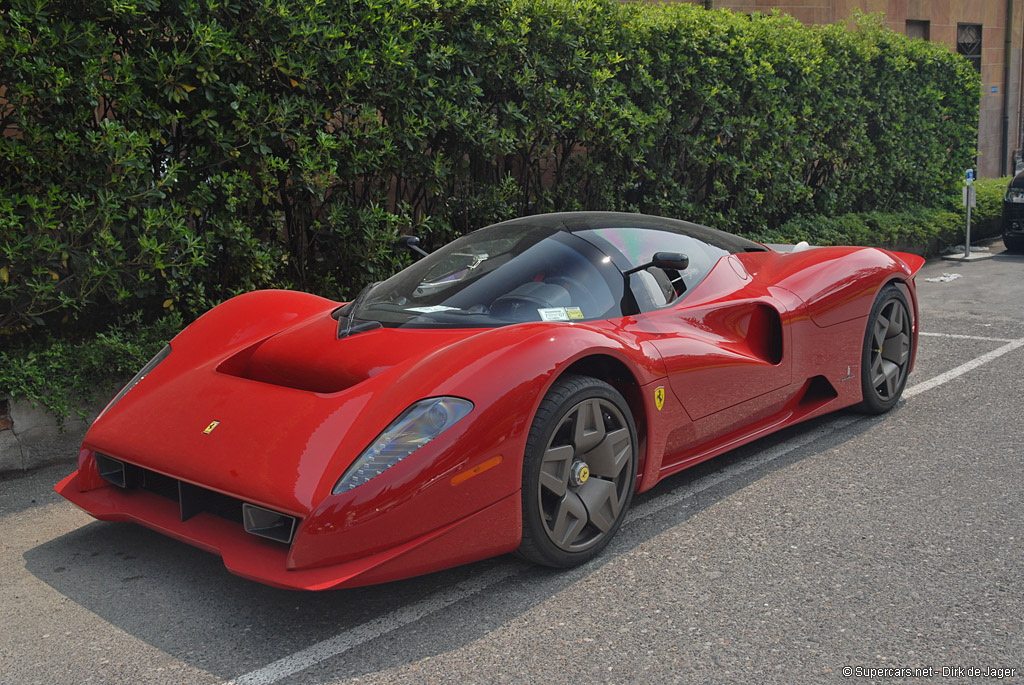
{"x": 574, "y": 312}
{"x": 431, "y": 309}
{"x": 553, "y": 314}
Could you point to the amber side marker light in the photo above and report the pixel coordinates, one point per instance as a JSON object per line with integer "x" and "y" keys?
{"x": 476, "y": 470}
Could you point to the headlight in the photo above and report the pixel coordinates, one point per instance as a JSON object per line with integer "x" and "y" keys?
{"x": 1015, "y": 195}
{"x": 417, "y": 425}
{"x": 160, "y": 356}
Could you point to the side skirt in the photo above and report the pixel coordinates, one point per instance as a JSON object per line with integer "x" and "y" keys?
{"x": 816, "y": 397}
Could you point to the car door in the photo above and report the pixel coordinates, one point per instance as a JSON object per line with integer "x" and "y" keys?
{"x": 726, "y": 347}
{"x": 723, "y": 336}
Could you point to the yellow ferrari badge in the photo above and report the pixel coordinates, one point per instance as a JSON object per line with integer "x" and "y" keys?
{"x": 659, "y": 397}
{"x": 209, "y": 429}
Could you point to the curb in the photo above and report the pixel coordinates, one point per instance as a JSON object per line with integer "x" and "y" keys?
{"x": 31, "y": 436}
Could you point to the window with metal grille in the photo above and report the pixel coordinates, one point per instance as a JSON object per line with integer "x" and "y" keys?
{"x": 968, "y": 43}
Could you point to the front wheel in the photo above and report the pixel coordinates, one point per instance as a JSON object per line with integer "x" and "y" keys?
{"x": 579, "y": 472}
{"x": 886, "y": 356}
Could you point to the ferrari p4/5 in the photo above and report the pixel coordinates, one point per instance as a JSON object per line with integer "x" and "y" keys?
{"x": 509, "y": 392}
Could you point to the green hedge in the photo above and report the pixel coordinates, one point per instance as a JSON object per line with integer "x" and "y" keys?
{"x": 63, "y": 376}
{"x": 167, "y": 154}
{"x": 921, "y": 230}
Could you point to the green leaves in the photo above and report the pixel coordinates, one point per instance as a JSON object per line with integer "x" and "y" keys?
{"x": 188, "y": 150}
{"x": 64, "y": 374}
{"x": 924, "y": 230}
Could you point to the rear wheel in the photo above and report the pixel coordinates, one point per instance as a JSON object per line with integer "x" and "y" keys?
{"x": 885, "y": 360}
{"x": 579, "y": 472}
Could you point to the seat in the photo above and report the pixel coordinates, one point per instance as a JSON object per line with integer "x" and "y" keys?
{"x": 657, "y": 285}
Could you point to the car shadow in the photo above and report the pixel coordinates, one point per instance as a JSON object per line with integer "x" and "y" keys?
{"x": 182, "y": 601}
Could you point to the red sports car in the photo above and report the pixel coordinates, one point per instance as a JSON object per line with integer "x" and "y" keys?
{"x": 508, "y": 392}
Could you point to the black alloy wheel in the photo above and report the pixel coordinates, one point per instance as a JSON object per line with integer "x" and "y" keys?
{"x": 579, "y": 472}
{"x": 888, "y": 346}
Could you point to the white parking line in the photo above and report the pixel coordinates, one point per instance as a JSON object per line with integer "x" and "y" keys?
{"x": 963, "y": 337}
{"x": 364, "y": 632}
{"x": 360, "y": 634}
{"x": 1010, "y": 346}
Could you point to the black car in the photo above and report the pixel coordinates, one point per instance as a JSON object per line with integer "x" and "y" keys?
{"x": 1013, "y": 214}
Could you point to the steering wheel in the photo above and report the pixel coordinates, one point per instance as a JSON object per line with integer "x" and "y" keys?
{"x": 581, "y": 297}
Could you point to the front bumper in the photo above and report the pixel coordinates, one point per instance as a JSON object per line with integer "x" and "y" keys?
{"x": 469, "y": 539}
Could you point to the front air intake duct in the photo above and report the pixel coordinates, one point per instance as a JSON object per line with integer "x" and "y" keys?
{"x": 194, "y": 499}
{"x": 268, "y": 523}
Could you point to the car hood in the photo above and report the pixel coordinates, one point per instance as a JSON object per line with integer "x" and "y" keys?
{"x": 275, "y": 421}
{"x": 309, "y": 356}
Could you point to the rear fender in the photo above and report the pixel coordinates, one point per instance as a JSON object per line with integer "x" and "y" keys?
{"x": 837, "y": 284}
{"x": 912, "y": 263}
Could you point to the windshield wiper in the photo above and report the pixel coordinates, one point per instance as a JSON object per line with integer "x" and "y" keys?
{"x": 353, "y": 307}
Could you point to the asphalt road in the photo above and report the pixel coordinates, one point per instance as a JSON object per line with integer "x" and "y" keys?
{"x": 845, "y": 543}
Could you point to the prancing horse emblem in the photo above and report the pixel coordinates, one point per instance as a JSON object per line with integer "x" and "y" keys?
{"x": 209, "y": 429}
{"x": 659, "y": 397}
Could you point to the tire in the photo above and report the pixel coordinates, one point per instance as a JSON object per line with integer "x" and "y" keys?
{"x": 887, "y": 351}
{"x": 1013, "y": 243}
{"x": 579, "y": 472}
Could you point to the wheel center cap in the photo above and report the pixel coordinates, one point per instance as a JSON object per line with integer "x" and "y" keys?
{"x": 579, "y": 473}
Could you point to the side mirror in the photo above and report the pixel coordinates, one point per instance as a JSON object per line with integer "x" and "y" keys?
{"x": 663, "y": 260}
{"x": 670, "y": 260}
{"x": 411, "y": 243}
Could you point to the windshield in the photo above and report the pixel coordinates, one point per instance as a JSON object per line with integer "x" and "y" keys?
{"x": 504, "y": 274}
{"x": 549, "y": 267}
